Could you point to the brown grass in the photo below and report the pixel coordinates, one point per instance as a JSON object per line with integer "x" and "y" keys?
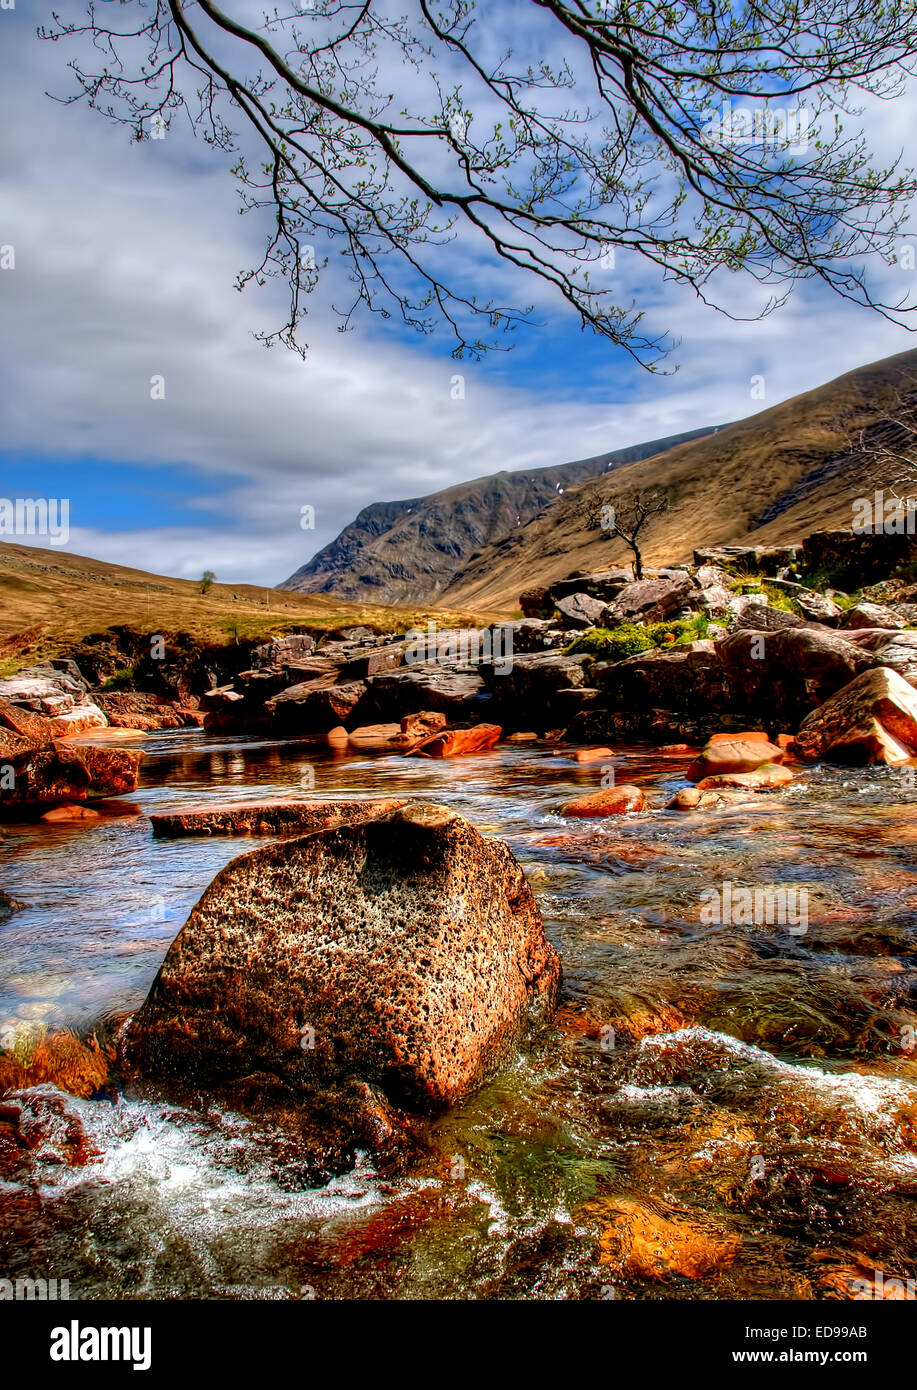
{"x": 49, "y": 598}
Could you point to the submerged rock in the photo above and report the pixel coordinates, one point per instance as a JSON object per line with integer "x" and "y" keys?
{"x": 8, "y": 905}
{"x": 644, "y": 1244}
{"x": 33, "y": 1055}
{"x": 451, "y": 743}
{"x": 407, "y": 952}
{"x": 733, "y": 755}
{"x": 759, "y": 779}
{"x": 593, "y": 755}
{"x": 609, "y": 801}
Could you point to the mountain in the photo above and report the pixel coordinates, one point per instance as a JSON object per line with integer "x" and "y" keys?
{"x": 775, "y": 476}
{"x": 410, "y": 551}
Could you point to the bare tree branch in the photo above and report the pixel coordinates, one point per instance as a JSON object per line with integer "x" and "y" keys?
{"x": 550, "y": 168}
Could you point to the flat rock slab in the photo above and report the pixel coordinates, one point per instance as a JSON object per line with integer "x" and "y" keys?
{"x": 268, "y": 817}
{"x": 406, "y": 952}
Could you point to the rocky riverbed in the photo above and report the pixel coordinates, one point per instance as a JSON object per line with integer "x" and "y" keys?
{"x": 715, "y": 1110}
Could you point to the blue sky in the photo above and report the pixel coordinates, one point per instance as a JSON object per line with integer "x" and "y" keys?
{"x": 125, "y": 260}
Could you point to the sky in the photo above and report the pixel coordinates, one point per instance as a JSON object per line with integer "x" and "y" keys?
{"x": 126, "y": 255}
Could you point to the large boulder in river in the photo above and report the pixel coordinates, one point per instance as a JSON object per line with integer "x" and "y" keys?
{"x": 872, "y": 720}
{"x": 406, "y": 953}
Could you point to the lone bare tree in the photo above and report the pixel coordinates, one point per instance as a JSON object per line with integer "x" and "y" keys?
{"x": 616, "y": 129}
{"x": 626, "y": 520}
{"x": 890, "y": 444}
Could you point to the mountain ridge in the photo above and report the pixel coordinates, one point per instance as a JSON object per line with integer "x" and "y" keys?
{"x": 394, "y": 550}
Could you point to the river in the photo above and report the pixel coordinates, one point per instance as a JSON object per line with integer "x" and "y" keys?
{"x": 720, "y": 1111}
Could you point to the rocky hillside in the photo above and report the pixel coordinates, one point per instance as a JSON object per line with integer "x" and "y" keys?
{"x": 402, "y": 552}
{"x": 771, "y": 478}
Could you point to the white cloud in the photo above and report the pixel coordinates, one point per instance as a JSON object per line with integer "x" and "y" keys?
{"x": 126, "y": 256}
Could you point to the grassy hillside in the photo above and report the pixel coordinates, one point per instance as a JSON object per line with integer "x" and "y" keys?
{"x": 774, "y": 477}
{"x": 49, "y": 598}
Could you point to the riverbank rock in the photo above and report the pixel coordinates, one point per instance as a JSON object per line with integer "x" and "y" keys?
{"x": 872, "y": 720}
{"x": 135, "y": 709}
{"x": 314, "y": 707}
{"x": 609, "y": 801}
{"x": 418, "y": 689}
{"x": 407, "y": 952}
{"x": 268, "y": 817}
{"x": 650, "y": 600}
{"x": 784, "y": 674}
{"x": 870, "y": 615}
{"x": 686, "y": 677}
{"x": 895, "y": 649}
{"x": 580, "y": 610}
{"x": 56, "y": 692}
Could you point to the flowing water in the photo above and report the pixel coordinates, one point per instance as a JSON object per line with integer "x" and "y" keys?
{"x": 719, "y": 1111}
